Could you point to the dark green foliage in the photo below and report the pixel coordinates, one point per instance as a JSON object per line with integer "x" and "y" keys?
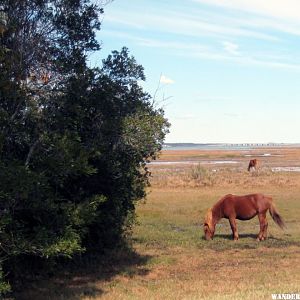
{"x": 74, "y": 141}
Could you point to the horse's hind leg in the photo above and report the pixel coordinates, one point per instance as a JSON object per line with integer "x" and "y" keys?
{"x": 263, "y": 226}
{"x": 232, "y": 222}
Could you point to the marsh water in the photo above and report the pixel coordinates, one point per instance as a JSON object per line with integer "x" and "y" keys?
{"x": 274, "y": 157}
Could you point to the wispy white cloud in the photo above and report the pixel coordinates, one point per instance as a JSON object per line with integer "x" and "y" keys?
{"x": 277, "y": 15}
{"x": 227, "y": 52}
{"x": 248, "y": 60}
{"x": 287, "y": 9}
{"x": 116, "y": 19}
{"x": 155, "y": 43}
{"x": 261, "y": 17}
{"x": 165, "y": 80}
{"x": 231, "y": 48}
{"x": 242, "y": 58}
{"x": 186, "y": 24}
{"x": 213, "y": 35}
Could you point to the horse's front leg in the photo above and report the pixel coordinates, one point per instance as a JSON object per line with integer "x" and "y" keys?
{"x": 233, "y": 226}
{"x": 263, "y": 227}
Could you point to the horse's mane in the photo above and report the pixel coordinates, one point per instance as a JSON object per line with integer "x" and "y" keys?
{"x": 208, "y": 218}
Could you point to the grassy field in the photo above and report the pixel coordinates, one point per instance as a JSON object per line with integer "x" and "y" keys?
{"x": 169, "y": 257}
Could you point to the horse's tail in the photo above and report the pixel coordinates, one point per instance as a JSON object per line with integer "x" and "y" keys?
{"x": 275, "y": 216}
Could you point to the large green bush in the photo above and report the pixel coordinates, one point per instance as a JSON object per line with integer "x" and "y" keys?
{"x": 74, "y": 141}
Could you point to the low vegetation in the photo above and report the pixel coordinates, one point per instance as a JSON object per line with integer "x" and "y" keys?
{"x": 200, "y": 176}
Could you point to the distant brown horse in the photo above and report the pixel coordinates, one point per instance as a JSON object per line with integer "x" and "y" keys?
{"x": 242, "y": 208}
{"x": 253, "y": 164}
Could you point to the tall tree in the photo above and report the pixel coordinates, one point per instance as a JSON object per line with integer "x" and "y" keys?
{"x": 74, "y": 141}
{"x": 44, "y": 44}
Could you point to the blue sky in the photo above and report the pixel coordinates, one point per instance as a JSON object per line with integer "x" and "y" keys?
{"x": 227, "y": 70}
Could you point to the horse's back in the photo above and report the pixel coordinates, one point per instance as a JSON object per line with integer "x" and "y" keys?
{"x": 244, "y": 207}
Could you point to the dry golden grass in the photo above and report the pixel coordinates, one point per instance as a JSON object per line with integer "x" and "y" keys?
{"x": 212, "y": 172}
{"x": 230, "y": 177}
{"x": 170, "y": 258}
{"x": 235, "y": 274}
{"x": 184, "y": 266}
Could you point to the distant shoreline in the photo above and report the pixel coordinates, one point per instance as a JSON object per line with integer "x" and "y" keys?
{"x": 227, "y": 146}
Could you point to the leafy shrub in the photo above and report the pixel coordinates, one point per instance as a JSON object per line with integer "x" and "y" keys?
{"x": 201, "y": 175}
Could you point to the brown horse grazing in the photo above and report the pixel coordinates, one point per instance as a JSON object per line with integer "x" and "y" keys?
{"x": 242, "y": 208}
{"x": 253, "y": 164}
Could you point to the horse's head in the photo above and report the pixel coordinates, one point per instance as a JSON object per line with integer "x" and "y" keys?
{"x": 209, "y": 228}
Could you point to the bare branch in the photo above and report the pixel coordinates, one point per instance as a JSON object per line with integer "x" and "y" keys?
{"x": 30, "y": 153}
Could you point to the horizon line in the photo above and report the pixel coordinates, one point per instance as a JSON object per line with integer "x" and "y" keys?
{"x": 235, "y": 143}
